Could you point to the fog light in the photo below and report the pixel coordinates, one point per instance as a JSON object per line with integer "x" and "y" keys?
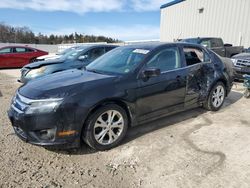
{"x": 47, "y": 134}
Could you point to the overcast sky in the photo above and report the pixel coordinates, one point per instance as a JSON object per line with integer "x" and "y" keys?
{"x": 121, "y": 19}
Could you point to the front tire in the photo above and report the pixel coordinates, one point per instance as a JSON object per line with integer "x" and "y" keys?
{"x": 216, "y": 97}
{"x": 106, "y": 127}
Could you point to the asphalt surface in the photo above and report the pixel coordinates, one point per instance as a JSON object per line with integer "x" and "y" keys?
{"x": 196, "y": 148}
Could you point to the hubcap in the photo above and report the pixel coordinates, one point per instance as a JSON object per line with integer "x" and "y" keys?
{"x": 108, "y": 127}
{"x": 218, "y": 96}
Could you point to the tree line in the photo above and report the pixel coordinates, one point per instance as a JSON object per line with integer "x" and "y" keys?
{"x": 10, "y": 34}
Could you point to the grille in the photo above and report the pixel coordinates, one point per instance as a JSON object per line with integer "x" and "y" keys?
{"x": 243, "y": 63}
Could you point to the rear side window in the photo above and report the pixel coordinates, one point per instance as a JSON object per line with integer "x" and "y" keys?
{"x": 195, "y": 55}
{"x": 5, "y": 51}
{"x": 29, "y": 50}
{"x": 215, "y": 43}
{"x": 166, "y": 60}
{"x": 19, "y": 50}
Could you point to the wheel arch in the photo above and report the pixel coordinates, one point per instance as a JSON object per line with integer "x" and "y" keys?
{"x": 116, "y": 101}
{"x": 224, "y": 81}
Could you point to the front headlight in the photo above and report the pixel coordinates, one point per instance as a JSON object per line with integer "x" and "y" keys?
{"x": 234, "y": 61}
{"x": 44, "y": 106}
{"x": 13, "y": 98}
{"x": 35, "y": 72}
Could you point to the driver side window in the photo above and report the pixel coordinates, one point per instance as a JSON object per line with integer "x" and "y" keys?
{"x": 166, "y": 60}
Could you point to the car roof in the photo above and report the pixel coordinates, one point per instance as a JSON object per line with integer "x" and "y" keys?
{"x": 153, "y": 45}
{"x": 95, "y": 45}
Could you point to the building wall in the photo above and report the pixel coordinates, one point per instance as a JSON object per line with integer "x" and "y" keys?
{"x": 45, "y": 47}
{"x": 228, "y": 19}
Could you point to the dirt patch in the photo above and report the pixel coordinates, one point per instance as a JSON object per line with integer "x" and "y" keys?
{"x": 221, "y": 155}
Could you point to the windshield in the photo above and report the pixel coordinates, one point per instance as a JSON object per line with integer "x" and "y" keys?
{"x": 73, "y": 54}
{"x": 66, "y": 51}
{"x": 118, "y": 61}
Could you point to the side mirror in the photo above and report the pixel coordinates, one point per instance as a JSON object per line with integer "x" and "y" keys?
{"x": 151, "y": 72}
{"x": 83, "y": 57}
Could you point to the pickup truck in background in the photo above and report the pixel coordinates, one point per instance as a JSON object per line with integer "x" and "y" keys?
{"x": 217, "y": 45}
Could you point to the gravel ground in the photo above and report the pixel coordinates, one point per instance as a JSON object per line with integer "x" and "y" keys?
{"x": 191, "y": 149}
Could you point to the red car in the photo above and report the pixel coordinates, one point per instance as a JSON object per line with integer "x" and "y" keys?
{"x": 18, "y": 56}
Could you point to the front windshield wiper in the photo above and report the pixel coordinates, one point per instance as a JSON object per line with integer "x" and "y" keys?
{"x": 94, "y": 71}
{"x": 100, "y": 72}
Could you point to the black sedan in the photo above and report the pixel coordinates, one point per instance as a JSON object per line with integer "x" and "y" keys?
{"x": 128, "y": 86}
{"x": 75, "y": 58}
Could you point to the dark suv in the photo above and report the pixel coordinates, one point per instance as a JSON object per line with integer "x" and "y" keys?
{"x": 79, "y": 57}
{"x": 241, "y": 65}
{"x": 128, "y": 86}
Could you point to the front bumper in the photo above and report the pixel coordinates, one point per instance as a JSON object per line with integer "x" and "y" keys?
{"x": 240, "y": 71}
{"x": 29, "y": 129}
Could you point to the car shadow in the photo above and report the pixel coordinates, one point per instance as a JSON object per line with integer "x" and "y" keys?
{"x": 141, "y": 130}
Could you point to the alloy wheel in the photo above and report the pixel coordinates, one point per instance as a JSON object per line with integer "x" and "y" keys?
{"x": 218, "y": 96}
{"x": 108, "y": 127}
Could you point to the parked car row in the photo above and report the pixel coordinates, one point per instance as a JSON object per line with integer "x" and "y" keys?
{"x": 18, "y": 56}
{"x": 127, "y": 86}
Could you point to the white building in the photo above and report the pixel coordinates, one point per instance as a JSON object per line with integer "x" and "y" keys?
{"x": 228, "y": 19}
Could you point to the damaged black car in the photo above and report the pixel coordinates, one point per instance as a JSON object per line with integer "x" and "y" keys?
{"x": 128, "y": 86}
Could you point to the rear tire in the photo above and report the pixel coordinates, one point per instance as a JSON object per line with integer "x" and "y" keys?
{"x": 106, "y": 127}
{"x": 216, "y": 97}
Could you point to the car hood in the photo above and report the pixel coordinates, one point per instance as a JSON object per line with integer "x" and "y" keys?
{"x": 244, "y": 56}
{"x": 63, "y": 84}
{"x": 44, "y": 63}
{"x": 49, "y": 56}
